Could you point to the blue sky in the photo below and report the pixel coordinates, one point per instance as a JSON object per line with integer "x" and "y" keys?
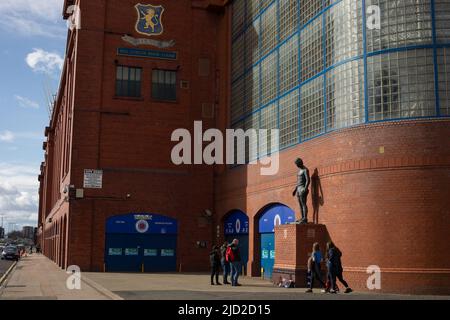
{"x": 32, "y": 46}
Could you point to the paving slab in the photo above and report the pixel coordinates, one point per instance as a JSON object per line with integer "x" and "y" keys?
{"x": 37, "y": 278}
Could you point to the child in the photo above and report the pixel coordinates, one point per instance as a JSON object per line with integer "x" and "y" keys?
{"x": 316, "y": 258}
{"x": 214, "y": 259}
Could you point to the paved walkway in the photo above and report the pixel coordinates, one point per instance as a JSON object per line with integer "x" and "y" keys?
{"x": 176, "y": 286}
{"x": 37, "y": 278}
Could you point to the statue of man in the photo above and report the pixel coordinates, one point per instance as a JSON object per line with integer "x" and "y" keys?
{"x": 301, "y": 190}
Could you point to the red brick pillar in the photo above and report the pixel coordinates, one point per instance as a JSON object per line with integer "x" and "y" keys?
{"x": 293, "y": 243}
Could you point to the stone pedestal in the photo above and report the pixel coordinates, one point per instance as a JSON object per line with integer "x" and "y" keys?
{"x": 293, "y": 243}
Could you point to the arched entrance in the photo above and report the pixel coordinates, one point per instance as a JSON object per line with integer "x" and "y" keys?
{"x": 271, "y": 216}
{"x": 236, "y": 226}
{"x": 141, "y": 243}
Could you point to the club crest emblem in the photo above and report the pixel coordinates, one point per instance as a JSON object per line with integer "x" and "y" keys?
{"x": 149, "y": 19}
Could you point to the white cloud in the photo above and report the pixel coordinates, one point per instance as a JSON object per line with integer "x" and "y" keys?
{"x": 7, "y": 136}
{"x": 32, "y": 17}
{"x": 43, "y": 61}
{"x": 26, "y": 103}
{"x": 19, "y": 193}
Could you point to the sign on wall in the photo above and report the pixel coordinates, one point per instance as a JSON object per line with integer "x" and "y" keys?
{"x": 143, "y": 53}
{"x": 236, "y": 223}
{"x": 93, "y": 179}
{"x": 149, "y": 21}
{"x": 141, "y": 223}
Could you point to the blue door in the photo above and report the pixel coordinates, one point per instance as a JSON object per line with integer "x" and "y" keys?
{"x": 236, "y": 227}
{"x": 272, "y": 216}
{"x": 267, "y": 254}
{"x": 140, "y": 243}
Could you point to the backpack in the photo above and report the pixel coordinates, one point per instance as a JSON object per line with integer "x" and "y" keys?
{"x": 229, "y": 255}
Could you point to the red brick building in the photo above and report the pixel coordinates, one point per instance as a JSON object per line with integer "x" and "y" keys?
{"x": 380, "y": 188}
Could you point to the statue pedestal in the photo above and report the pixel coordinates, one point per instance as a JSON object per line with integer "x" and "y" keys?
{"x": 293, "y": 243}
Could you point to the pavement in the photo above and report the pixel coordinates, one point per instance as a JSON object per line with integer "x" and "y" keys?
{"x": 37, "y": 278}
{"x": 178, "y": 286}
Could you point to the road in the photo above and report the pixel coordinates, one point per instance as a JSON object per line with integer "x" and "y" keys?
{"x": 4, "y": 266}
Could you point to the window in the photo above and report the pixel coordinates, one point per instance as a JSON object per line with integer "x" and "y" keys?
{"x": 164, "y": 85}
{"x": 128, "y": 82}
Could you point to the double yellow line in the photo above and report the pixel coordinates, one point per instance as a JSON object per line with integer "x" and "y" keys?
{"x": 3, "y": 278}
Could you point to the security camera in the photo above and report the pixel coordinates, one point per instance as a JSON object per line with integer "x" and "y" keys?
{"x": 208, "y": 213}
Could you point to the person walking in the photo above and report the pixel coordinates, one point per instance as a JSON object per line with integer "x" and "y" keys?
{"x": 214, "y": 259}
{"x": 225, "y": 264}
{"x": 233, "y": 256}
{"x": 315, "y": 269}
{"x": 335, "y": 268}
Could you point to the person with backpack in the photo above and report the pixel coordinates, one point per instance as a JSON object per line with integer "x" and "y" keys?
{"x": 335, "y": 268}
{"x": 214, "y": 259}
{"x": 225, "y": 264}
{"x": 316, "y": 260}
{"x": 233, "y": 256}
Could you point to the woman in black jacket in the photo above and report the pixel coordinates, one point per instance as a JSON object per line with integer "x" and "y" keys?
{"x": 335, "y": 269}
{"x": 214, "y": 259}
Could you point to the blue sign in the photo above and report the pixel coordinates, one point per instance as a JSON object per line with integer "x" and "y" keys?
{"x": 144, "y": 53}
{"x": 236, "y": 223}
{"x": 274, "y": 215}
{"x": 144, "y": 223}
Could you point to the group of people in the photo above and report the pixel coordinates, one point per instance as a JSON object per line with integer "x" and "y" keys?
{"x": 228, "y": 256}
{"x": 334, "y": 269}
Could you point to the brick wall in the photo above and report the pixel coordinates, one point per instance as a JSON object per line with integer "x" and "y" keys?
{"x": 384, "y": 190}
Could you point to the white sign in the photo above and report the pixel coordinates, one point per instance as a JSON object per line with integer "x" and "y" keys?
{"x": 93, "y": 179}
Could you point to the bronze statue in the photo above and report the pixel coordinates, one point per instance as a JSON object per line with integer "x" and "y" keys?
{"x": 301, "y": 190}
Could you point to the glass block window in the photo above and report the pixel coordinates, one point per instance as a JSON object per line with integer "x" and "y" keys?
{"x": 442, "y": 8}
{"x": 238, "y": 145}
{"x": 312, "y": 108}
{"x": 128, "y": 81}
{"x": 269, "y": 29}
{"x": 401, "y": 85}
{"x": 252, "y": 44}
{"x": 345, "y": 95}
{"x": 252, "y": 89}
{"x": 311, "y": 49}
{"x": 309, "y": 9}
{"x": 238, "y": 17}
{"x": 237, "y": 100}
{"x": 237, "y": 58}
{"x": 289, "y": 125}
{"x": 288, "y": 18}
{"x": 251, "y": 145}
{"x": 289, "y": 65}
{"x": 265, "y": 3}
{"x": 344, "y": 37}
{"x": 269, "y": 78}
{"x": 269, "y": 121}
{"x": 444, "y": 80}
{"x": 403, "y": 23}
{"x": 252, "y": 10}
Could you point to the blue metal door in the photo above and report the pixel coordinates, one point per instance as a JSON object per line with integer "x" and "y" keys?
{"x": 122, "y": 253}
{"x": 267, "y": 254}
{"x": 140, "y": 243}
{"x": 273, "y": 215}
{"x": 159, "y": 253}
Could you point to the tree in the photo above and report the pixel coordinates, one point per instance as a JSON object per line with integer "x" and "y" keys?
{"x": 14, "y": 235}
